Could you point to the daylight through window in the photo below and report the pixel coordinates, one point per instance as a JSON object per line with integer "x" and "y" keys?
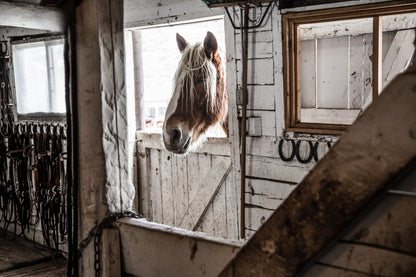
{"x": 159, "y": 59}
{"x": 39, "y": 76}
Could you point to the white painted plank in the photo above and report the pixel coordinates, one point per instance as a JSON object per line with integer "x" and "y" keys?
{"x": 329, "y": 116}
{"x": 150, "y": 249}
{"x": 308, "y": 74}
{"x": 207, "y": 187}
{"x": 220, "y": 203}
{"x": 194, "y": 174}
{"x": 278, "y": 72}
{"x": 332, "y": 72}
{"x": 214, "y": 146}
{"x": 356, "y": 26}
{"x": 259, "y": 72}
{"x": 147, "y": 13}
{"x": 155, "y": 186}
{"x": 356, "y": 84}
{"x": 260, "y": 45}
{"x": 399, "y": 55}
{"x": 180, "y": 187}
{"x": 267, "y": 194}
{"x": 232, "y": 199}
{"x": 368, "y": 70}
{"x": 207, "y": 223}
{"x": 268, "y": 123}
{"x": 168, "y": 203}
{"x": 274, "y": 169}
{"x": 261, "y": 97}
{"x": 32, "y": 16}
{"x": 255, "y": 217}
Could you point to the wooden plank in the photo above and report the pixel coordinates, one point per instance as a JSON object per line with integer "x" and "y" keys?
{"x": 32, "y": 16}
{"x": 355, "y": 72}
{"x": 273, "y": 169}
{"x": 260, "y": 46}
{"x": 207, "y": 187}
{"x": 143, "y": 186}
{"x": 20, "y": 251}
{"x": 319, "y": 270}
{"x": 219, "y": 206}
{"x": 358, "y": 167}
{"x": 260, "y": 72}
{"x": 268, "y": 123}
{"x": 261, "y": 97}
{"x": 332, "y": 73}
{"x": 308, "y": 73}
{"x": 168, "y": 199}
{"x": 180, "y": 184}
{"x": 156, "y": 186}
{"x": 213, "y": 146}
{"x": 267, "y": 194}
{"x": 398, "y": 56}
{"x": 255, "y": 217}
{"x": 205, "y": 162}
{"x": 390, "y": 225}
{"x": 110, "y": 253}
{"x": 55, "y": 268}
{"x": 170, "y": 251}
{"x": 377, "y": 56}
{"x": 150, "y": 13}
{"x": 232, "y": 208}
{"x": 371, "y": 260}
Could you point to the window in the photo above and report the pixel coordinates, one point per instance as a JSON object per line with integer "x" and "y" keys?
{"x": 39, "y": 75}
{"x": 337, "y": 61}
{"x": 159, "y": 57}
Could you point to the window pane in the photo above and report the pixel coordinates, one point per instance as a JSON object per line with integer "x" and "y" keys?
{"x": 398, "y": 46}
{"x": 39, "y": 76}
{"x": 336, "y": 70}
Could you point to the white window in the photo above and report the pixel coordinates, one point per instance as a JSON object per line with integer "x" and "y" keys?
{"x": 39, "y": 75}
{"x": 159, "y": 59}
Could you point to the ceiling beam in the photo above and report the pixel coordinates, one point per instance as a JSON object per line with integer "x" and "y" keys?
{"x": 31, "y": 16}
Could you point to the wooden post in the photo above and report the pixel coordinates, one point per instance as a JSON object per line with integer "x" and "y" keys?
{"x": 110, "y": 249}
{"x": 138, "y": 79}
{"x": 377, "y": 56}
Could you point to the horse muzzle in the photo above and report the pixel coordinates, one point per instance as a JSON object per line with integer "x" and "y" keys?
{"x": 177, "y": 140}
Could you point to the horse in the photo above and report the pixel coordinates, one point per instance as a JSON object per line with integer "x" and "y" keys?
{"x": 199, "y": 99}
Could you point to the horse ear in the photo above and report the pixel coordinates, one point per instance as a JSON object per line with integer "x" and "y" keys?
{"x": 182, "y": 43}
{"x": 210, "y": 45}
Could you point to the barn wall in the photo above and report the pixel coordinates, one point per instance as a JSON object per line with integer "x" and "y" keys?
{"x": 269, "y": 179}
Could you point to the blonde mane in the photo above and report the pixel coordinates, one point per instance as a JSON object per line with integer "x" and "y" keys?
{"x": 193, "y": 59}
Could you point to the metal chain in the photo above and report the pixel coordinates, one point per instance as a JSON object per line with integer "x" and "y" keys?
{"x": 96, "y": 233}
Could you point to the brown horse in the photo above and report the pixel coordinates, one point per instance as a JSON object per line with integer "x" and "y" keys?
{"x": 199, "y": 99}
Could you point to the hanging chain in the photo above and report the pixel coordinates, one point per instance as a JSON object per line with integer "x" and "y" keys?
{"x": 96, "y": 233}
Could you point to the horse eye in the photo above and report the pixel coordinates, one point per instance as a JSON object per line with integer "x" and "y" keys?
{"x": 200, "y": 80}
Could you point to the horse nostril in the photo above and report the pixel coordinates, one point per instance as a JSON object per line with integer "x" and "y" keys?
{"x": 176, "y": 136}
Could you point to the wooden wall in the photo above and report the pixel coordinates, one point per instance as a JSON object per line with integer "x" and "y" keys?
{"x": 269, "y": 179}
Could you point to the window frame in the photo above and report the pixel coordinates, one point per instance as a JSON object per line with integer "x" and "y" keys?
{"x": 36, "y": 116}
{"x": 291, "y": 56}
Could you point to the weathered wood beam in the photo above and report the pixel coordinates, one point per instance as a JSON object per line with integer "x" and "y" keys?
{"x": 32, "y": 16}
{"x": 355, "y": 170}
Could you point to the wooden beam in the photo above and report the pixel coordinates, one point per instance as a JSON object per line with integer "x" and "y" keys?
{"x": 32, "y": 16}
{"x": 355, "y": 170}
{"x": 287, "y": 4}
{"x": 377, "y": 56}
{"x": 110, "y": 253}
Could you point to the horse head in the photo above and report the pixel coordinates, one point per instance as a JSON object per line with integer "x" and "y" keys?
{"x": 199, "y": 99}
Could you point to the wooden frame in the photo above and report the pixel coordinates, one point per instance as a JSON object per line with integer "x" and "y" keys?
{"x": 291, "y": 55}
